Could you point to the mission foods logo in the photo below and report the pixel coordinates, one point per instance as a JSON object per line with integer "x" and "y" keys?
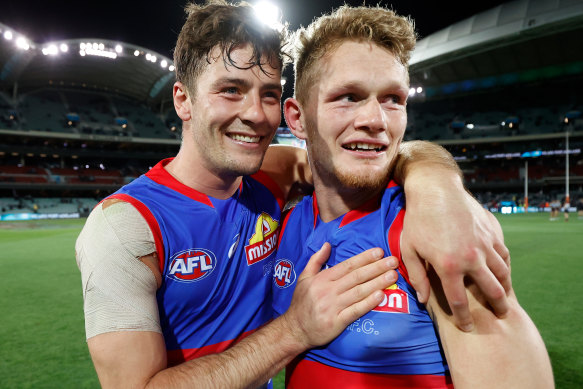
{"x": 192, "y": 265}
{"x": 395, "y": 300}
{"x": 284, "y": 274}
{"x": 263, "y": 241}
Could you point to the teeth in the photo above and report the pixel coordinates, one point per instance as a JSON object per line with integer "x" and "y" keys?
{"x": 363, "y": 146}
{"x": 244, "y": 138}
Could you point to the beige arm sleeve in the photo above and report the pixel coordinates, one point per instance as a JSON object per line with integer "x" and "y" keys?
{"x": 119, "y": 290}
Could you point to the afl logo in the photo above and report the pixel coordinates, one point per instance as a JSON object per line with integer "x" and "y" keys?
{"x": 284, "y": 274}
{"x": 192, "y": 265}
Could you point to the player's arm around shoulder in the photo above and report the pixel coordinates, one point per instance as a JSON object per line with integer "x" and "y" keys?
{"x": 499, "y": 352}
{"x": 120, "y": 277}
{"x": 287, "y": 165}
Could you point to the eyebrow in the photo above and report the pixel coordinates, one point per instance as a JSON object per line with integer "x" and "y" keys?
{"x": 357, "y": 85}
{"x": 246, "y": 84}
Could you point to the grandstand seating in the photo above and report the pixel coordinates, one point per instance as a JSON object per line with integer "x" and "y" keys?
{"x": 77, "y": 111}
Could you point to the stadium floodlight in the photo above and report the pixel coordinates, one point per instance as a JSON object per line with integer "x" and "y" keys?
{"x": 153, "y": 58}
{"x": 283, "y": 81}
{"x": 21, "y": 43}
{"x": 100, "y": 53}
{"x": 470, "y": 126}
{"x": 171, "y": 68}
{"x": 164, "y": 63}
{"x": 136, "y": 53}
{"x": 412, "y": 92}
{"x": 64, "y": 47}
{"x": 8, "y": 35}
{"x": 419, "y": 89}
{"x": 148, "y": 55}
{"x": 269, "y": 14}
{"x": 82, "y": 54}
{"x": 118, "y": 49}
{"x": 82, "y": 46}
{"x": 101, "y": 46}
{"x": 50, "y": 50}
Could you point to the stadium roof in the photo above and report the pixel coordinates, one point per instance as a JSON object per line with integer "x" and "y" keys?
{"x": 92, "y": 63}
{"x": 523, "y": 38}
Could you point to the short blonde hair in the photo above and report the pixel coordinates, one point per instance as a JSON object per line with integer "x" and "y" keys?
{"x": 378, "y": 25}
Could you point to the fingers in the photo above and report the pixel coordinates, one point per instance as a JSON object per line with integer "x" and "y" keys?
{"x": 358, "y": 261}
{"x": 500, "y": 267}
{"x": 316, "y": 261}
{"x": 358, "y": 281}
{"x": 416, "y": 271}
{"x": 361, "y": 283}
{"x": 455, "y": 293}
{"x": 363, "y": 297}
{"x": 492, "y": 291}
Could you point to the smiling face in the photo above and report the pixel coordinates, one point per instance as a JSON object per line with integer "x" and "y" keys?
{"x": 355, "y": 116}
{"x": 234, "y": 114}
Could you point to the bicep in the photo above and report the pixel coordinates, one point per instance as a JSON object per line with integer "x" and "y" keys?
{"x": 477, "y": 358}
{"x": 127, "y": 359}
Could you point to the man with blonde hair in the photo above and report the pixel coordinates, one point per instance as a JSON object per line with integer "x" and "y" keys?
{"x": 351, "y": 92}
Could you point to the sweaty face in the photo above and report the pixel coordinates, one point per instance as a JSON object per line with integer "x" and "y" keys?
{"x": 356, "y": 116}
{"x": 235, "y": 113}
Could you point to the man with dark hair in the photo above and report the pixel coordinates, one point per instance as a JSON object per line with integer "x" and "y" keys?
{"x": 351, "y": 86}
{"x": 176, "y": 266}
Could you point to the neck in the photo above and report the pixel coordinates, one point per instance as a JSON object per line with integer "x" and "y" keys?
{"x": 192, "y": 172}
{"x": 335, "y": 201}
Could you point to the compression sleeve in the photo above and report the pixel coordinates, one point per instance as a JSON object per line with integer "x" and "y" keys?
{"x": 119, "y": 290}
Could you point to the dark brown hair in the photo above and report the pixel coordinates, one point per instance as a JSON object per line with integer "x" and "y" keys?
{"x": 227, "y": 27}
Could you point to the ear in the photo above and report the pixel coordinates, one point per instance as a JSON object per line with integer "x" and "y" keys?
{"x": 181, "y": 101}
{"x": 294, "y": 118}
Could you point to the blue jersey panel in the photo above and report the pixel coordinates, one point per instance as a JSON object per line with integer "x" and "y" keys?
{"x": 218, "y": 255}
{"x": 398, "y": 336}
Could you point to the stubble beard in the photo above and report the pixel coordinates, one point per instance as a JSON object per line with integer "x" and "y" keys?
{"x": 364, "y": 179}
{"x": 217, "y": 158}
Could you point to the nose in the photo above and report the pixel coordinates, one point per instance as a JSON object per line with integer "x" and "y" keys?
{"x": 371, "y": 117}
{"x": 252, "y": 111}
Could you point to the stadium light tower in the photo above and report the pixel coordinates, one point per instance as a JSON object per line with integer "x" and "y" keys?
{"x": 526, "y": 186}
{"x": 567, "y": 200}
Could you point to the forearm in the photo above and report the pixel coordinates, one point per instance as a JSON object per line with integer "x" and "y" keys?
{"x": 287, "y": 165}
{"x": 248, "y": 364}
{"x": 419, "y": 161}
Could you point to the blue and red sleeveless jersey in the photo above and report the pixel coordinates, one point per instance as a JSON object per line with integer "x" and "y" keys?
{"x": 215, "y": 257}
{"x": 394, "y": 345}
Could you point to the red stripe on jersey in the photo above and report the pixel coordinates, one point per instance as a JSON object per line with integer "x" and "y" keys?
{"x": 311, "y": 374}
{"x": 152, "y": 223}
{"x": 394, "y": 240}
{"x": 315, "y": 208}
{"x": 270, "y": 184}
{"x": 161, "y": 176}
{"x": 286, "y": 218}
{"x": 176, "y": 357}
{"x": 370, "y": 206}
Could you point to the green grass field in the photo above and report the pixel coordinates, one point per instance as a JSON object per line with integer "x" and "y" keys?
{"x": 42, "y": 338}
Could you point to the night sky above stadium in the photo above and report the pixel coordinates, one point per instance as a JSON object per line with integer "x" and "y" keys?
{"x": 155, "y": 24}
